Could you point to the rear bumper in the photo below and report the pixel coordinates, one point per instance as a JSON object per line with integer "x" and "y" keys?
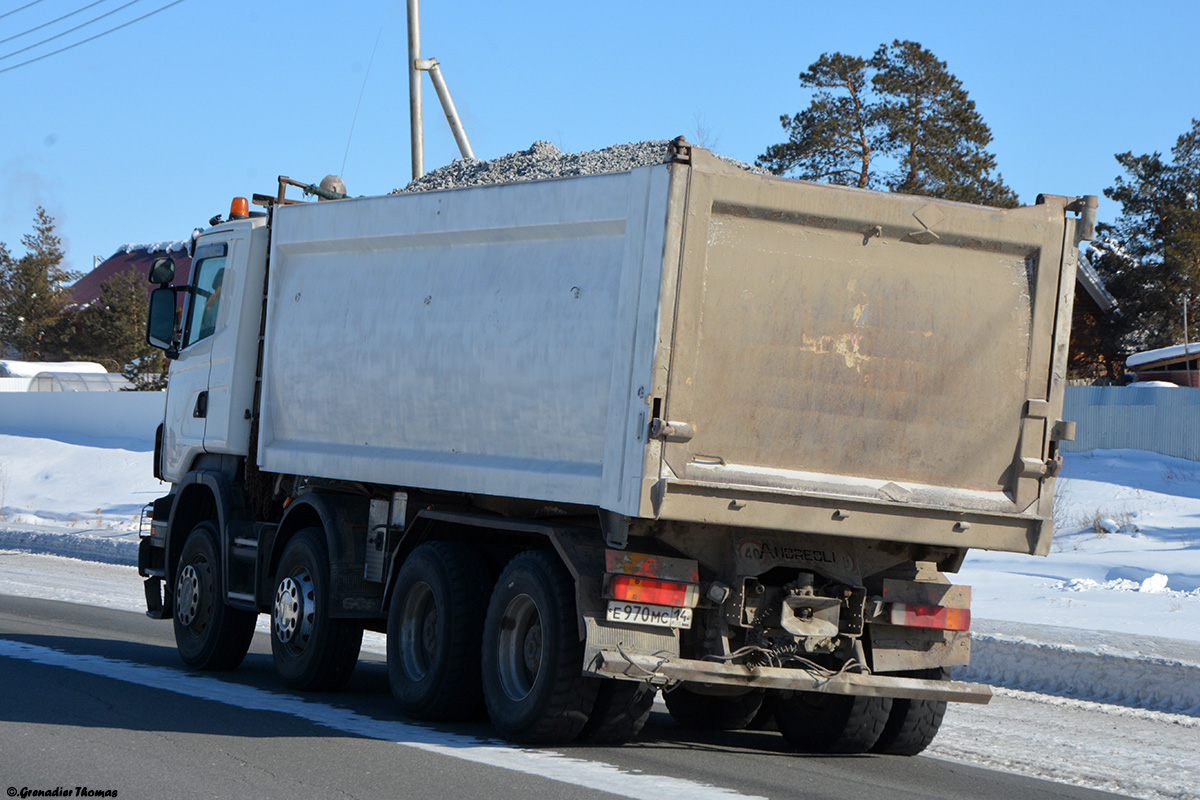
{"x": 658, "y": 670}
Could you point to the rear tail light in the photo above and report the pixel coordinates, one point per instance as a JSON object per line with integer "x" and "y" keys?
{"x": 653, "y": 591}
{"x": 939, "y": 617}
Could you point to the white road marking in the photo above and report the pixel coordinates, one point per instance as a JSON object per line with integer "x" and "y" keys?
{"x": 542, "y": 763}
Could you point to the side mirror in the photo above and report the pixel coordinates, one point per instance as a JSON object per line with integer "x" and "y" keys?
{"x": 160, "y": 321}
{"x": 162, "y": 271}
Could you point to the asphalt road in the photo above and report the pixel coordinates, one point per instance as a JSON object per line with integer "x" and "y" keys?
{"x": 98, "y": 699}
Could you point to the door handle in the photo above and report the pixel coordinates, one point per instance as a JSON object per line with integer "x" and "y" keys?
{"x": 201, "y": 409}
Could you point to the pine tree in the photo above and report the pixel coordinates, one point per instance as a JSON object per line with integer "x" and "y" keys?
{"x": 899, "y": 121}
{"x": 34, "y": 295}
{"x": 112, "y": 331}
{"x": 934, "y": 129}
{"x": 838, "y": 135}
{"x": 1150, "y": 257}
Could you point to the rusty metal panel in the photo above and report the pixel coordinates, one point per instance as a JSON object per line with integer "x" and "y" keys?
{"x": 624, "y": 562}
{"x": 928, "y": 593}
{"x": 840, "y": 343}
{"x": 896, "y": 649}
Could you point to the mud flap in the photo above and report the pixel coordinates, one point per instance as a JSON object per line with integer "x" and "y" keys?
{"x": 155, "y": 608}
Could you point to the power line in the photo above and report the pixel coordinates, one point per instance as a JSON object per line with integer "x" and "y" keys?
{"x": 22, "y": 8}
{"x": 90, "y": 38}
{"x": 51, "y": 22}
{"x": 69, "y": 30}
{"x": 360, "y": 97}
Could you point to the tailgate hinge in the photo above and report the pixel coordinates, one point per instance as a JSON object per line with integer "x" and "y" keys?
{"x": 679, "y": 151}
{"x": 671, "y": 431}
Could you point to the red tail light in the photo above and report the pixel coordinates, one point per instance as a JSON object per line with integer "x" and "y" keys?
{"x": 939, "y": 617}
{"x": 653, "y": 591}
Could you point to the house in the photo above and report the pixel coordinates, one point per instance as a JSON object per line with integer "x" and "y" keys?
{"x": 1093, "y": 303}
{"x": 1178, "y": 364}
{"x": 131, "y": 256}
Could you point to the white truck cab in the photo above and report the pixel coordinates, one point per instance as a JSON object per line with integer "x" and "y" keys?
{"x": 211, "y": 392}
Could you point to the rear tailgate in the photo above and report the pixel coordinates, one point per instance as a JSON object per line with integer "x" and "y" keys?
{"x": 865, "y": 364}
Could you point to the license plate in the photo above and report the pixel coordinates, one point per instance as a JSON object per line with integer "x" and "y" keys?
{"x": 645, "y": 614}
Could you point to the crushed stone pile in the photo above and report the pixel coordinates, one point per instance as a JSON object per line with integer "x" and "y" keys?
{"x": 543, "y": 161}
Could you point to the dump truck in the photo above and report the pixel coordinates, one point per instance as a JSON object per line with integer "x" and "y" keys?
{"x": 571, "y": 443}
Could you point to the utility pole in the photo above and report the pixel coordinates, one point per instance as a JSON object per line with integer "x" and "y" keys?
{"x": 414, "y": 88}
{"x": 417, "y": 65}
{"x": 1187, "y": 356}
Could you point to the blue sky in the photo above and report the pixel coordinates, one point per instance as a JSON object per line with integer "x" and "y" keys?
{"x": 145, "y": 133}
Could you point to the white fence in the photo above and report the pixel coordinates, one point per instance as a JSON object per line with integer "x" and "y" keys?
{"x": 1160, "y": 419}
{"x": 78, "y": 416}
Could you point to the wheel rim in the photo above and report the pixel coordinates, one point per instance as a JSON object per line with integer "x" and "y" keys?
{"x": 295, "y": 610}
{"x": 189, "y": 594}
{"x": 520, "y": 647}
{"x": 419, "y": 631}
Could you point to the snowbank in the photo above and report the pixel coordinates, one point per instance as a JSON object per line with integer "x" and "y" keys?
{"x": 115, "y": 419}
{"x": 1134, "y": 671}
{"x": 120, "y": 549}
{"x": 1161, "y": 354}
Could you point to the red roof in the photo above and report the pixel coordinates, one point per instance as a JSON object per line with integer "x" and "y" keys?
{"x": 137, "y": 257}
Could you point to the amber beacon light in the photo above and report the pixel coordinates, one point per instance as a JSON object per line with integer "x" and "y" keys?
{"x": 239, "y": 208}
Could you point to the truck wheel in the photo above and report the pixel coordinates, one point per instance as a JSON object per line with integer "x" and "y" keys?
{"x": 620, "y": 712}
{"x": 713, "y": 712}
{"x": 913, "y": 724}
{"x": 435, "y": 629}
{"x": 312, "y": 651}
{"x": 208, "y": 633}
{"x": 832, "y": 723}
{"x": 533, "y": 681}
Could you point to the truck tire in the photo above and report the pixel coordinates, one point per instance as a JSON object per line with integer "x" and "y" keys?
{"x": 435, "y": 630}
{"x": 313, "y": 652}
{"x": 209, "y": 635}
{"x": 913, "y": 724}
{"x": 832, "y": 723}
{"x": 533, "y": 681}
{"x": 713, "y": 712}
{"x": 620, "y": 712}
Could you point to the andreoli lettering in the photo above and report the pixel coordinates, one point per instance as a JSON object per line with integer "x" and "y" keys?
{"x": 758, "y": 551}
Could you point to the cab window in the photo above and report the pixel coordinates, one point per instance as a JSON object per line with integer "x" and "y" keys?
{"x": 208, "y": 276}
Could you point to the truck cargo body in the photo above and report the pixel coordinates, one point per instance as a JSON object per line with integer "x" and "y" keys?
{"x": 738, "y": 396}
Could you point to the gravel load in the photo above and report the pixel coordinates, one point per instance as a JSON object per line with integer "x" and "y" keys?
{"x": 543, "y": 161}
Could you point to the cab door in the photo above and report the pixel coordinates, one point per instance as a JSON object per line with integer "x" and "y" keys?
{"x": 187, "y": 405}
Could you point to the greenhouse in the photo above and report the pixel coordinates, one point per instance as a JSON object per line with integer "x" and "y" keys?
{"x": 78, "y": 382}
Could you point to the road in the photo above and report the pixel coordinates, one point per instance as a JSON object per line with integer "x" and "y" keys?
{"x": 97, "y": 698}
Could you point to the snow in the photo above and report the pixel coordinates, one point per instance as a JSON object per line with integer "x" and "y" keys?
{"x": 75, "y": 488}
{"x": 154, "y": 247}
{"x": 1161, "y": 354}
{"x": 1107, "y": 747}
{"x": 31, "y": 369}
{"x": 1125, "y": 557}
{"x": 1095, "y": 649}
